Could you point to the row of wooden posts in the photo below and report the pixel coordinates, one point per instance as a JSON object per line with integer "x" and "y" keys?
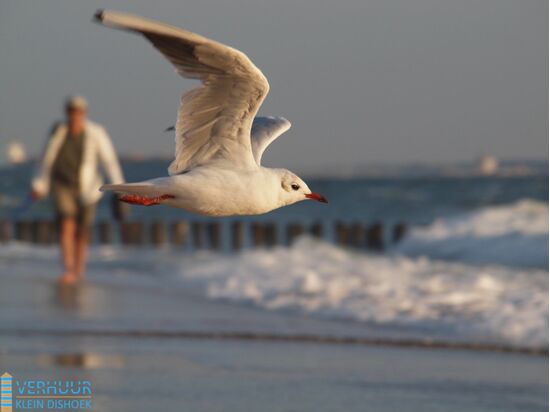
{"x": 201, "y": 234}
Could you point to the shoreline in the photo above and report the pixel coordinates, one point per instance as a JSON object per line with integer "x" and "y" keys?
{"x": 278, "y": 337}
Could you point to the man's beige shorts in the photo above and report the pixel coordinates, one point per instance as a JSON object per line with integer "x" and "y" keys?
{"x": 67, "y": 204}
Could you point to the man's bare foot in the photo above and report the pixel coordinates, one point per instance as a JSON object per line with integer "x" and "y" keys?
{"x": 68, "y": 278}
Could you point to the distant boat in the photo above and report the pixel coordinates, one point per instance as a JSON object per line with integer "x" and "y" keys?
{"x": 487, "y": 165}
{"x": 16, "y": 153}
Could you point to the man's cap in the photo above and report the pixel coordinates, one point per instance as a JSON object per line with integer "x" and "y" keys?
{"x": 76, "y": 102}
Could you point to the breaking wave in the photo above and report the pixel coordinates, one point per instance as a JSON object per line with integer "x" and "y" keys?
{"x": 515, "y": 234}
{"x": 442, "y": 299}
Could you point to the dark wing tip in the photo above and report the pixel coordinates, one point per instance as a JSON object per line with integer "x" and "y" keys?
{"x": 98, "y": 16}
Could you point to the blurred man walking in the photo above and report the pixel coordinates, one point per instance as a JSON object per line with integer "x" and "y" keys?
{"x": 70, "y": 171}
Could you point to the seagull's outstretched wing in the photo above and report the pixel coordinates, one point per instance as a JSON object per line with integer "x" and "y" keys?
{"x": 264, "y": 131}
{"x": 215, "y": 119}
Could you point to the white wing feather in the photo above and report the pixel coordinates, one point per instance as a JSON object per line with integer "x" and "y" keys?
{"x": 215, "y": 119}
{"x": 264, "y": 131}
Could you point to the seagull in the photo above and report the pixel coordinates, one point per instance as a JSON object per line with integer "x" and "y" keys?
{"x": 217, "y": 169}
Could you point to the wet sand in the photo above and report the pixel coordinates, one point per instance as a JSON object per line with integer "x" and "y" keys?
{"x": 145, "y": 346}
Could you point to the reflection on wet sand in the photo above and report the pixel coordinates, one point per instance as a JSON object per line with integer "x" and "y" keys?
{"x": 82, "y": 360}
{"x": 82, "y": 299}
{"x": 67, "y": 297}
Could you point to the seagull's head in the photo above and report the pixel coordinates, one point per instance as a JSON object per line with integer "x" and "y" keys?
{"x": 293, "y": 189}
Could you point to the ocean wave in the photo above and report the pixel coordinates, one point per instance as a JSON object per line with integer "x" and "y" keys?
{"x": 515, "y": 234}
{"x": 444, "y": 300}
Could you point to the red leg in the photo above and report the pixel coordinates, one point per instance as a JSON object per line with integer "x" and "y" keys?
{"x": 144, "y": 200}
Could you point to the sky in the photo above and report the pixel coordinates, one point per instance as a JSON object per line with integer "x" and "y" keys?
{"x": 362, "y": 81}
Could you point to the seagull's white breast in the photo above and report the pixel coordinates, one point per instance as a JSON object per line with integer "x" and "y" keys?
{"x": 215, "y": 191}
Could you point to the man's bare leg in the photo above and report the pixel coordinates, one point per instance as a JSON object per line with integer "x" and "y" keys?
{"x": 67, "y": 244}
{"x": 81, "y": 251}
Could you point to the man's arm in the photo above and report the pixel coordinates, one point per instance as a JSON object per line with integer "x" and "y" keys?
{"x": 109, "y": 159}
{"x": 40, "y": 184}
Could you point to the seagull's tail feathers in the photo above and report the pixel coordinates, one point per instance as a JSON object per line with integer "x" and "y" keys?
{"x": 143, "y": 193}
{"x": 141, "y": 188}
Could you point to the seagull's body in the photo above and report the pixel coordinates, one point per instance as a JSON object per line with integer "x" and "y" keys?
{"x": 228, "y": 191}
{"x": 217, "y": 169}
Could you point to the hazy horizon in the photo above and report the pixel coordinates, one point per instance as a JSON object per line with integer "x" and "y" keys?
{"x": 399, "y": 82}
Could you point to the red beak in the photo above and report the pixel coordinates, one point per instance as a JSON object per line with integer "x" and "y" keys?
{"x": 317, "y": 196}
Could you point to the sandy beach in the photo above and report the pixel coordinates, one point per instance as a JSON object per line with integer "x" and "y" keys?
{"x": 49, "y": 332}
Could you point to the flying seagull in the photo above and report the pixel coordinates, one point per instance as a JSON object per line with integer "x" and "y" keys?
{"x": 217, "y": 168}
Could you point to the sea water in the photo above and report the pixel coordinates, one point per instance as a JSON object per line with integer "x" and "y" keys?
{"x": 473, "y": 267}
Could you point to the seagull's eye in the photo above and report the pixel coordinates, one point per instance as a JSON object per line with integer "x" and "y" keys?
{"x": 294, "y": 186}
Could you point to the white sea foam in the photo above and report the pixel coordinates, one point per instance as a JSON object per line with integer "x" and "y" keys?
{"x": 450, "y": 300}
{"x": 514, "y": 234}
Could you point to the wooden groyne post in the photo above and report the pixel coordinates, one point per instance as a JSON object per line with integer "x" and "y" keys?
{"x": 179, "y": 232}
{"x": 43, "y": 232}
{"x": 201, "y": 234}
{"x": 132, "y": 233}
{"x": 23, "y": 231}
{"x": 215, "y": 235}
{"x": 399, "y": 231}
{"x": 270, "y": 234}
{"x": 357, "y": 235}
{"x": 197, "y": 229}
{"x": 293, "y": 230}
{"x": 157, "y": 233}
{"x": 5, "y": 231}
{"x": 375, "y": 237}
{"x": 237, "y": 235}
{"x": 341, "y": 233}
{"x": 257, "y": 234}
{"x": 317, "y": 230}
